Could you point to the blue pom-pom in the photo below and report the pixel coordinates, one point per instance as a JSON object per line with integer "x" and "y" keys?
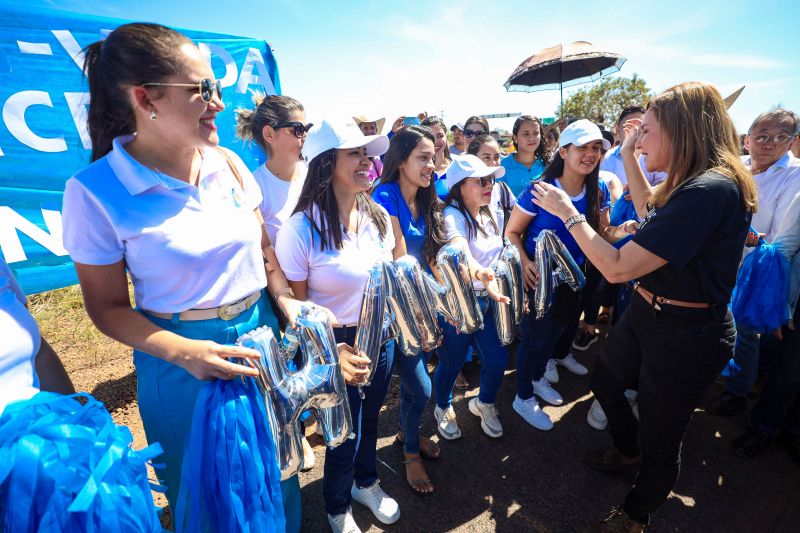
{"x": 759, "y": 298}
{"x": 67, "y": 467}
{"x": 230, "y": 479}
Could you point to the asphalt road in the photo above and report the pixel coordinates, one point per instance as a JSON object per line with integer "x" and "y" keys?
{"x": 530, "y": 480}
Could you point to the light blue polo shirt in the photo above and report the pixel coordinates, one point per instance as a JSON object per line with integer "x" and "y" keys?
{"x": 518, "y": 176}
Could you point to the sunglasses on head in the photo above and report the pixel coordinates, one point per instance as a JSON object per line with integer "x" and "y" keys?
{"x": 485, "y": 181}
{"x": 298, "y": 128}
{"x": 206, "y": 87}
{"x": 472, "y": 133}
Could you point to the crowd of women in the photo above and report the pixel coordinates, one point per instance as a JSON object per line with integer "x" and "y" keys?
{"x": 214, "y": 251}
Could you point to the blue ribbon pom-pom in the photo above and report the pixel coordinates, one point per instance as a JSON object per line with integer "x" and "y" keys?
{"x": 65, "y": 466}
{"x": 230, "y": 479}
{"x": 759, "y": 299}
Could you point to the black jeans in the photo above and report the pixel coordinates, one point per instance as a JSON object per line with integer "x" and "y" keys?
{"x": 593, "y": 279}
{"x": 671, "y": 356}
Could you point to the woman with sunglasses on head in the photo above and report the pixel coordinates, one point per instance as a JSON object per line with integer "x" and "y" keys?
{"x": 327, "y": 248}
{"x": 527, "y": 162}
{"x": 164, "y": 202}
{"x": 470, "y": 221}
{"x": 677, "y": 333}
{"x": 574, "y": 169}
{"x": 408, "y": 195}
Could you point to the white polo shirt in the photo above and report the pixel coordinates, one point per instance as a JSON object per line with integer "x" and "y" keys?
{"x": 185, "y": 246}
{"x": 279, "y": 197}
{"x": 336, "y": 278}
{"x": 20, "y": 341}
{"x": 777, "y": 187}
{"x": 483, "y": 248}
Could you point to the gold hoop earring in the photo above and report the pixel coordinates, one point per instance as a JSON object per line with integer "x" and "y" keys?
{"x": 153, "y": 115}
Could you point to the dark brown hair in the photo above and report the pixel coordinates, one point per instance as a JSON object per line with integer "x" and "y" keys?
{"x": 269, "y": 110}
{"x": 133, "y": 54}
{"x": 541, "y": 150}
{"x": 318, "y": 190}
{"x": 428, "y": 204}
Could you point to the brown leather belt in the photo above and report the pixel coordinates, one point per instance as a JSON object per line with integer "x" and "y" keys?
{"x": 225, "y": 312}
{"x": 658, "y": 301}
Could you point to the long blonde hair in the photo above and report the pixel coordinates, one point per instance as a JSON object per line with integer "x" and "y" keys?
{"x": 702, "y": 138}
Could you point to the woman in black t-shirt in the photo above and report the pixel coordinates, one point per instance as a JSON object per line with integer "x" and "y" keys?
{"x": 678, "y": 332}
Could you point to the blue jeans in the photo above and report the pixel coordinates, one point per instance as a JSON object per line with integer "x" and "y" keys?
{"x": 538, "y": 340}
{"x": 167, "y": 394}
{"x": 742, "y": 369}
{"x": 354, "y": 459}
{"x": 453, "y": 352}
{"x": 415, "y": 391}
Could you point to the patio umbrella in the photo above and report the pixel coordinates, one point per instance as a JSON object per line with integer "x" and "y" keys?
{"x": 563, "y": 66}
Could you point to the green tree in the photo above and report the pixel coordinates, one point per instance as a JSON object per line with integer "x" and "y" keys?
{"x": 602, "y": 102}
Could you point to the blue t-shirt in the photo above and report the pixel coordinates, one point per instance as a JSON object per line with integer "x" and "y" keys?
{"x": 518, "y": 176}
{"x": 545, "y": 220}
{"x": 389, "y": 196}
{"x": 440, "y": 183}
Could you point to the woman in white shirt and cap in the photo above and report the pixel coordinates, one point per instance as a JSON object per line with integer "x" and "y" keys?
{"x": 327, "y": 248}
{"x": 474, "y": 220}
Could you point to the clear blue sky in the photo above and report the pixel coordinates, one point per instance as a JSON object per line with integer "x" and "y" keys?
{"x": 394, "y": 58}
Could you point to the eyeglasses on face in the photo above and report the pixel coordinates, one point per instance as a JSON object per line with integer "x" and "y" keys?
{"x": 298, "y": 128}
{"x": 473, "y": 133}
{"x": 777, "y": 139}
{"x": 206, "y": 87}
{"x": 485, "y": 181}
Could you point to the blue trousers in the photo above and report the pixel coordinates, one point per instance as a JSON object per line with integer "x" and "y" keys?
{"x": 167, "y": 394}
{"x": 453, "y": 352}
{"x": 354, "y": 459}
{"x": 742, "y": 369}
{"x": 537, "y": 342}
{"x": 415, "y": 391}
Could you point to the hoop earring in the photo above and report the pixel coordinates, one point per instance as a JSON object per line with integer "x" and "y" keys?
{"x": 153, "y": 115}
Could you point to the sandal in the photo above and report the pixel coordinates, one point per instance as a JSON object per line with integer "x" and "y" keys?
{"x": 461, "y": 381}
{"x": 417, "y": 483}
{"x": 426, "y": 454}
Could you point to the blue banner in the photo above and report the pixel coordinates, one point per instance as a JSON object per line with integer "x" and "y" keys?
{"x": 43, "y": 134}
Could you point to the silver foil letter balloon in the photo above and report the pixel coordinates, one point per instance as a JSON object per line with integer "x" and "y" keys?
{"x": 369, "y": 333}
{"x": 317, "y": 384}
{"x": 549, "y": 251}
{"x": 401, "y": 307}
{"x": 461, "y": 299}
{"x": 510, "y": 256}
{"x": 422, "y": 313}
{"x": 504, "y": 313}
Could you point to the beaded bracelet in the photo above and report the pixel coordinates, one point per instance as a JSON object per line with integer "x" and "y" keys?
{"x": 575, "y": 219}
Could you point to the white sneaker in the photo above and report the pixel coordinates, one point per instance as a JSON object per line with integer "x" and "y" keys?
{"x": 632, "y": 395}
{"x": 596, "y": 416}
{"x": 488, "y": 415}
{"x": 543, "y": 390}
{"x": 533, "y": 414}
{"x": 382, "y": 506}
{"x": 343, "y": 523}
{"x": 446, "y": 423}
{"x": 551, "y": 372}
{"x": 571, "y": 364}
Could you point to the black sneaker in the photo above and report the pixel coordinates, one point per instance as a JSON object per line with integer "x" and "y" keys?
{"x": 584, "y": 340}
{"x": 752, "y": 443}
{"x": 727, "y": 404}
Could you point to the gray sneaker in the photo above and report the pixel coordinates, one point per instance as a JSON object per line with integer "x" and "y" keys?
{"x": 446, "y": 423}
{"x": 488, "y": 415}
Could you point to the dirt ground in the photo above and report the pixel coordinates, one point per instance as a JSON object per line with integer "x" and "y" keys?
{"x": 528, "y": 480}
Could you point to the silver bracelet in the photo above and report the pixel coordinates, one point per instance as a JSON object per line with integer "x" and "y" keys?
{"x": 575, "y": 219}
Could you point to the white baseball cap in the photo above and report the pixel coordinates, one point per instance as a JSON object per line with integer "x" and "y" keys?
{"x": 581, "y": 132}
{"x": 326, "y": 136}
{"x": 469, "y": 166}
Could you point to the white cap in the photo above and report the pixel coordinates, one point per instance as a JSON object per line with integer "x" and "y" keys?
{"x": 469, "y": 166}
{"x": 326, "y": 136}
{"x": 581, "y": 132}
